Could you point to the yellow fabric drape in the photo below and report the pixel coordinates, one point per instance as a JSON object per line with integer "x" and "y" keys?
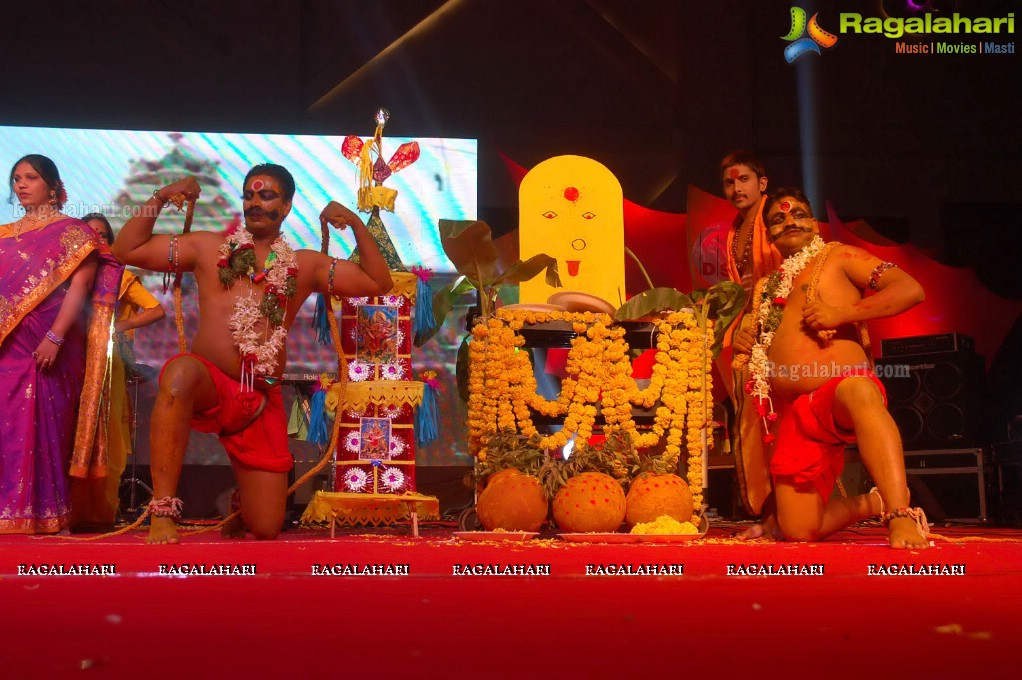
{"x": 349, "y": 509}
{"x": 359, "y": 395}
{"x": 405, "y": 284}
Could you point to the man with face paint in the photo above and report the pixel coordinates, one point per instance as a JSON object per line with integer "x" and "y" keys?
{"x": 808, "y": 361}
{"x": 251, "y": 285}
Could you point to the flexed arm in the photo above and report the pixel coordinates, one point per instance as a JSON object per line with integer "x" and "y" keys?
{"x": 371, "y": 276}
{"x": 896, "y": 291}
{"x": 138, "y": 246}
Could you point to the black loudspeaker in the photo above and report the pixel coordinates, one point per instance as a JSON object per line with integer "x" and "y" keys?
{"x": 934, "y": 398}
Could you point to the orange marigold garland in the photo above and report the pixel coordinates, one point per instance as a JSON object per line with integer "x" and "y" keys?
{"x": 502, "y": 385}
{"x": 700, "y": 385}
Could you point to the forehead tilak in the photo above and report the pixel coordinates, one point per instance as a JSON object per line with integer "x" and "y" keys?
{"x": 261, "y": 183}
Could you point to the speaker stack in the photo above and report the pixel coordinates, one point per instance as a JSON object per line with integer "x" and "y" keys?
{"x": 934, "y": 385}
{"x": 934, "y": 389}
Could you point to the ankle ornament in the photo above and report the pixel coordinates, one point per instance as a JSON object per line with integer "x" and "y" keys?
{"x": 915, "y": 514}
{"x": 168, "y": 506}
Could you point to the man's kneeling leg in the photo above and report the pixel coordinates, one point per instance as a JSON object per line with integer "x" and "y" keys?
{"x": 185, "y": 389}
{"x": 263, "y": 498}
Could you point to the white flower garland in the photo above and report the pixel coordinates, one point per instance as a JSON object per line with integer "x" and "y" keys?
{"x": 759, "y": 384}
{"x": 258, "y": 357}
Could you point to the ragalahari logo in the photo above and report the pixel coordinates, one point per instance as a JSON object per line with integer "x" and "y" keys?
{"x": 801, "y": 45}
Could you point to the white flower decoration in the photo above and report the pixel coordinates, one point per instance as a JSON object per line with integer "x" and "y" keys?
{"x": 393, "y": 300}
{"x": 358, "y": 301}
{"x": 355, "y": 479}
{"x": 392, "y": 371}
{"x": 359, "y": 371}
{"x": 352, "y": 441}
{"x": 392, "y": 411}
{"x": 392, "y": 479}
{"x": 397, "y": 446}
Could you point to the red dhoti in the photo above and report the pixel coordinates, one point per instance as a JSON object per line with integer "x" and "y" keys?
{"x": 254, "y": 437}
{"x": 810, "y": 445}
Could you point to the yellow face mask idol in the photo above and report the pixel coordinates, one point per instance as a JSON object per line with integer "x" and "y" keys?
{"x": 571, "y": 208}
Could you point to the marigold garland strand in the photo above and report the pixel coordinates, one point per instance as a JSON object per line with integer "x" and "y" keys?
{"x": 503, "y": 390}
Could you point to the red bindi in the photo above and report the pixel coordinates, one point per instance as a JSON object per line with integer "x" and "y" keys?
{"x": 257, "y": 185}
{"x": 571, "y": 194}
{"x": 784, "y": 205}
{"x": 733, "y": 173}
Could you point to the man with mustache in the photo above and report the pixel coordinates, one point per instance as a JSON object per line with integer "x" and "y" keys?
{"x": 749, "y": 255}
{"x": 806, "y": 359}
{"x": 251, "y": 285}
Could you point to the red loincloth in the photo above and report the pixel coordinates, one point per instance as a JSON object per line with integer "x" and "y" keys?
{"x": 810, "y": 446}
{"x": 261, "y": 444}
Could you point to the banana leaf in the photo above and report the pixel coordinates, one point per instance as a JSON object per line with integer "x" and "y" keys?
{"x": 652, "y": 302}
{"x": 724, "y": 302}
{"x": 443, "y": 303}
{"x": 470, "y": 248}
{"x": 524, "y": 271}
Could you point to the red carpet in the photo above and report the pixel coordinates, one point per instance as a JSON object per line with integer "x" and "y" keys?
{"x": 284, "y": 622}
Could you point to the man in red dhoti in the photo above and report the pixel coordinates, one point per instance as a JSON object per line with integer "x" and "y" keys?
{"x": 806, "y": 358}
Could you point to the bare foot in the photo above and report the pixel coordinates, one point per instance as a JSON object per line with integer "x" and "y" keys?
{"x": 768, "y": 528}
{"x": 162, "y": 530}
{"x": 903, "y": 533}
{"x": 233, "y": 528}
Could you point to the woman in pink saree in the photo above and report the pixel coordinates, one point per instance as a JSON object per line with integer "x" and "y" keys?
{"x": 50, "y": 268}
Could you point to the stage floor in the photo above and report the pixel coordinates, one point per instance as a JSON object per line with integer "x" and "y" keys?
{"x": 432, "y": 607}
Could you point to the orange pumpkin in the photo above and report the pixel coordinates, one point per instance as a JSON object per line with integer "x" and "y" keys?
{"x": 512, "y": 501}
{"x": 651, "y": 496}
{"x": 591, "y": 501}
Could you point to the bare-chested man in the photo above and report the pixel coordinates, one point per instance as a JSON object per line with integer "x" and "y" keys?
{"x": 218, "y": 387}
{"x": 807, "y": 360}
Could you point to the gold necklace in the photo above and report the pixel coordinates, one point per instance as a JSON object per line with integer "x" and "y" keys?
{"x": 35, "y": 221}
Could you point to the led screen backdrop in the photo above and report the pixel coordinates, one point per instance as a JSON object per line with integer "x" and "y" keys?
{"x": 109, "y": 170}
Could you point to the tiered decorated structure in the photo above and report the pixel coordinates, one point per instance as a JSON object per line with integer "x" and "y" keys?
{"x": 374, "y": 400}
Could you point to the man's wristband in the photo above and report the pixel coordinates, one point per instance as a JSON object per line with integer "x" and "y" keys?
{"x": 156, "y": 195}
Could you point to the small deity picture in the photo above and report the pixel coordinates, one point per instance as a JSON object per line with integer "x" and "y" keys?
{"x": 374, "y": 439}
{"x": 376, "y": 334}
